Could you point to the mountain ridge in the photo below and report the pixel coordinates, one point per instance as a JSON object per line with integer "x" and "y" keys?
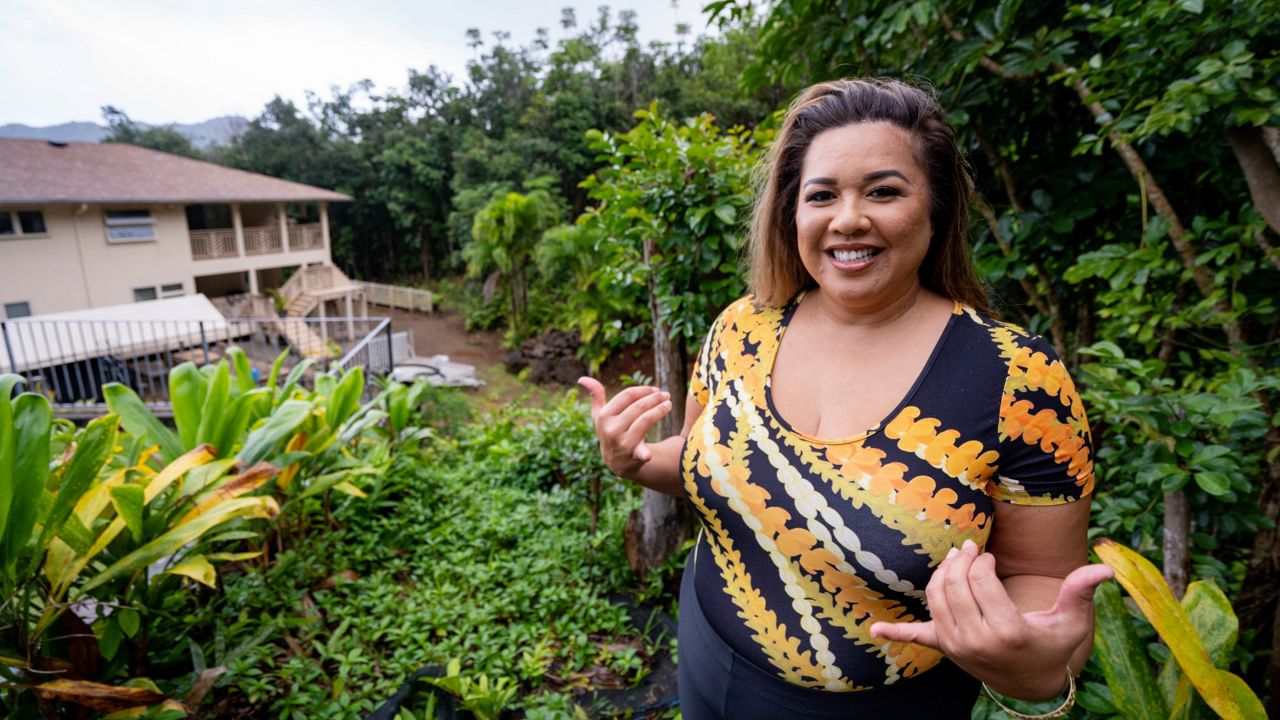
{"x": 207, "y": 133}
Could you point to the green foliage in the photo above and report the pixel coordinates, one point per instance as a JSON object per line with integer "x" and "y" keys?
{"x": 120, "y": 129}
{"x": 479, "y": 547}
{"x": 504, "y": 235}
{"x": 111, "y": 522}
{"x": 485, "y": 700}
{"x": 683, "y": 187}
{"x": 421, "y": 160}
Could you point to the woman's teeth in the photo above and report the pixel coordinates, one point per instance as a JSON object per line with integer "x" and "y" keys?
{"x": 855, "y": 255}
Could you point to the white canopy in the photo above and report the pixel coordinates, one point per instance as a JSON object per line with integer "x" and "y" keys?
{"x": 121, "y": 331}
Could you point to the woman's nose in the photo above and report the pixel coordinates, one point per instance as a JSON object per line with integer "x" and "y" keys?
{"x": 850, "y": 218}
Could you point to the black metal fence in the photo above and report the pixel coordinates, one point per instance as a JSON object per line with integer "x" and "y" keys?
{"x": 70, "y": 360}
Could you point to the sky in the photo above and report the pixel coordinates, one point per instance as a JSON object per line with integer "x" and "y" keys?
{"x": 164, "y": 61}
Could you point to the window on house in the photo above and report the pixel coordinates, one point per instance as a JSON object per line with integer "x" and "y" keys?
{"x": 125, "y": 226}
{"x": 16, "y": 223}
{"x": 17, "y": 310}
{"x": 32, "y": 222}
{"x": 153, "y": 292}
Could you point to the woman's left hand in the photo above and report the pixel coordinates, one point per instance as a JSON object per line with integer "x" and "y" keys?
{"x": 977, "y": 625}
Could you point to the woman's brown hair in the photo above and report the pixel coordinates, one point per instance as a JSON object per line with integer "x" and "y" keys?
{"x": 776, "y": 271}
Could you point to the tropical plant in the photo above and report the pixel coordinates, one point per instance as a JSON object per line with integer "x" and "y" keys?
{"x": 486, "y": 700}
{"x": 1200, "y": 633}
{"x": 115, "y": 526}
{"x": 504, "y": 235}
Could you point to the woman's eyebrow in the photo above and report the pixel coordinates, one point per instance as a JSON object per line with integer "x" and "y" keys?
{"x": 882, "y": 174}
{"x": 869, "y": 177}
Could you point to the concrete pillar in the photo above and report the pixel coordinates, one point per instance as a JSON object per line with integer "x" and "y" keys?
{"x": 237, "y": 222}
{"x": 364, "y": 304}
{"x": 303, "y": 269}
{"x": 253, "y": 282}
{"x": 324, "y": 231}
{"x": 351, "y": 325}
{"x": 284, "y": 226}
{"x": 324, "y": 326}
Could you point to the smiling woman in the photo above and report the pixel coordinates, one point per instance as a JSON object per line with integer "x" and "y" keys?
{"x": 893, "y": 484}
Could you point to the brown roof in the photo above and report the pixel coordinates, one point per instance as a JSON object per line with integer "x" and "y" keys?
{"x": 37, "y": 171}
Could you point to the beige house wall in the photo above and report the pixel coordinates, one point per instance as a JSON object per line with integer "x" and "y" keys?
{"x": 44, "y": 270}
{"x": 73, "y": 266}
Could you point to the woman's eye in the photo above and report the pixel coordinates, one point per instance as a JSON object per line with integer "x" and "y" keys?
{"x": 820, "y": 196}
{"x": 884, "y": 191}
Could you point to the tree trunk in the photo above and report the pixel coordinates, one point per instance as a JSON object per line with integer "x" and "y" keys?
{"x": 662, "y": 523}
{"x": 1177, "y": 532}
{"x": 424, "y": 251}
{"x": 1261, "y": 172}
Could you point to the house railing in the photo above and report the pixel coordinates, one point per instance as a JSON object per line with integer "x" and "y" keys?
{"x": 70, "y": 360}
{"x": 306, "y": 237}
{"x": 397, "y": 296}
{"x": 259, "y": 240}
{"x": 209, "y": 244}
{"x": 375, "y": 352}
{"x": 262, "y": 240}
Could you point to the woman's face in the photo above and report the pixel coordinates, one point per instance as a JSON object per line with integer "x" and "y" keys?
{"x": 862, "y": 218}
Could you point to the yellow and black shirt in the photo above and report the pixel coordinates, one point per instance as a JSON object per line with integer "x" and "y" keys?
{"x": 808, "y": 541}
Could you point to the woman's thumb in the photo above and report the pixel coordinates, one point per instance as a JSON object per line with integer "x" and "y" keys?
{"x": 595, "y": 390}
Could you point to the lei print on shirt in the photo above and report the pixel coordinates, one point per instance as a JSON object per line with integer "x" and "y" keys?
{"x": 834, "y": 585}
{"x": 1071, "y": 440}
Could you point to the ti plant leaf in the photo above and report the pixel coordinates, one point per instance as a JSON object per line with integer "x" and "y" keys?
{"x": 1223, "y": 691}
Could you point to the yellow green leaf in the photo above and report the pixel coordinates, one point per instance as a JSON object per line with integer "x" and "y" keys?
{"x": 247, "y": 481}
{"x": 349, "y": 489}
{"x": 1224, "y": 692}
{"x": 1216, "y": 624}
{"x": 197, "y": 568}
{"x": 296, "y": 443}
{"x": 234, "y": 557}
{"x": 92, "y": 503}
{"x": 176, "y": 538}
{"x": 173, "y": 471}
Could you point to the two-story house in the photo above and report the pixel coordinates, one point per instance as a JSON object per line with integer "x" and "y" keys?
{"x": 86, "y": 225}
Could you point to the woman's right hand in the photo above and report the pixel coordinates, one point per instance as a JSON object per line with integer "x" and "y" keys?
{"x": 622, "y": 423}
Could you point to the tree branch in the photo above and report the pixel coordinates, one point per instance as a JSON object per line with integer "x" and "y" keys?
{"x": 1260, "y": 238}
{"x": 1260, "y": 171}
{"x": 1177, "y": 232}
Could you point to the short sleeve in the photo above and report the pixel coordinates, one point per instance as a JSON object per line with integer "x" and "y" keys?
{"x": 1046, "y": 448}
{"x": 702, "y": 381}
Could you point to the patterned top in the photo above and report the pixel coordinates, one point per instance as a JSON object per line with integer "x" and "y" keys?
{"x": 810, "y": 541}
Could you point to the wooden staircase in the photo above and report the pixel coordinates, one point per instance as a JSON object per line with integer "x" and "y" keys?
{"x": 305, "y": 290}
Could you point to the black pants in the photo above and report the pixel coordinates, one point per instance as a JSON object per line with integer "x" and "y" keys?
{"x": 717, "y": 683}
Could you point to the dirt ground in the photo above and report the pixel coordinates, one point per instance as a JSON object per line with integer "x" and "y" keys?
{"x": 444, "y": 332}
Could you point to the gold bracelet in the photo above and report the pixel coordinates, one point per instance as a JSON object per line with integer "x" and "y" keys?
{"x": 1061, "y": 711}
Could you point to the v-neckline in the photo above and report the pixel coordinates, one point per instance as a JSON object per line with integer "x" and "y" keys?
{"x": 784, "y": 321}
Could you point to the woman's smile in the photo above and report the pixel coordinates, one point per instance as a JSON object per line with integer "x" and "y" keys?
{"x": 853, "y": 259}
